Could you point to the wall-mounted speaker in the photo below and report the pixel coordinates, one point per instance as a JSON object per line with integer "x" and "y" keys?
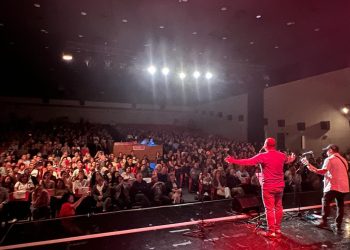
{"x": 301, "y": 126}
{"x": 241, "y": 118}
{"x": 325, "y": 125}
{"x": 281, "y": 123}
{"x": 266, "y": 121}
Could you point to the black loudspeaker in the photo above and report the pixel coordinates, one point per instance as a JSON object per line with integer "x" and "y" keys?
{"x": 266, "y": 121}
{"x": 281, "y": 123}
{"x": 245, "y": 204}
{"x": 325, "y": 125}
{"x": 241, "y": 118}
{"x": 301, "y": 126}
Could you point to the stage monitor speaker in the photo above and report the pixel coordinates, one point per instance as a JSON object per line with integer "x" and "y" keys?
{"x": 245, "y": 203}
{"x": 325, "y": 125}
{"x": 301, "y": 126}
{"x": 281, "y": 123}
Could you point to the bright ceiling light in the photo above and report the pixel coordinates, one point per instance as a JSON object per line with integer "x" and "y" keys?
{"x": 208, "y": 75}
{"x": 67, "y": 57}
{"x": 152, "y": 70}
{"x": 182, "y": 75}
{"x": 196, "y": 74}
{"x": 258, "y": 16}
{"x": 165, "y": 71}
{"x": 345, "y": 110}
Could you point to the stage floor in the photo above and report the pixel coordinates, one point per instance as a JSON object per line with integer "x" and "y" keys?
{"x": 164, "y": 228}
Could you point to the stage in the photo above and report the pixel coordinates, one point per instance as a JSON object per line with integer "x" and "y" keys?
{"x": 164, "y": 228}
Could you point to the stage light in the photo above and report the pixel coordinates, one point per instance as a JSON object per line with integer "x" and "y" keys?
{"x": 208, "y": 75}
{"x": 67, "y": 57}
{"x": 165, "y": 71}
{"x": 152, "y": 70}
{"x": 196, "y": 74}
{"x": 345, "y": 110}
{"x": 182, "y": 75}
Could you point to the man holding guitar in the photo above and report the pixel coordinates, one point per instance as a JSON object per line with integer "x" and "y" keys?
{"x": 271, "y": 162}
{"x": 336, "y": 183}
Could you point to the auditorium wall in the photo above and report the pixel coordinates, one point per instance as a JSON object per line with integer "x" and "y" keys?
{"x": 99, "y": 112}
{"x": 226, "y": 117}
{"x": 310, "y": 100}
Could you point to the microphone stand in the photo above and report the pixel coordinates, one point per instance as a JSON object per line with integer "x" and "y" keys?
{"x": 200, "y": 232}
{"x": 258, "y": 219}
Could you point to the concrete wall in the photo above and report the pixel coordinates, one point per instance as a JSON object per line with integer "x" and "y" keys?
{"x": 206, "y": 117}
{"x": 310, "y": 100}
{"x": 99, "y": 112}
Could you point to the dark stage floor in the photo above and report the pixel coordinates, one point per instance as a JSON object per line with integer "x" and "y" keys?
{"x": 163, "y": 228}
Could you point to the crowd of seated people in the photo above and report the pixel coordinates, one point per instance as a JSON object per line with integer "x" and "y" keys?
{"x": 63, "y": 169}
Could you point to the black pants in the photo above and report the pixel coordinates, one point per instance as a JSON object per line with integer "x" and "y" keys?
{"x": 327, "y": 198}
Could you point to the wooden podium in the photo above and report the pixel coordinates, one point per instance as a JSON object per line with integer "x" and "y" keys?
{"x": 139, "y": 150}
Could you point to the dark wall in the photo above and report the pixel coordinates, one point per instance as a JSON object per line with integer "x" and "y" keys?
{"x": 256, "y": 115}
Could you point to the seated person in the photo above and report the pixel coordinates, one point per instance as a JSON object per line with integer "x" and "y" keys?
{"x": 68, "y": 205}
{"x": 243, "y": 175}
{"x": 219, "y": 184}
{"x": 120, "y": 193}
{"x": 101, "y": 193}
{"x": 173, "y": 190}
{"x": 23, "y": 184}
{"x": 158, "y": 191}
{"x": 163, "y": 175}
{"x": 194, "y": 177}
{"x": 46, "y": 182}
{"x": 234, "y": 183}
{"x": 205, "y": 182}
{"x": 128, "y": 174}
{"x": 80, "y": 182}
{"x": 40, "y": 203}
{"x": 4, "y": 199}
{"x": 139, "y": 191}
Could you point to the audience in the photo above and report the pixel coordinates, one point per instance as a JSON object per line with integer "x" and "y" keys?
{"x": 69, "y": 168}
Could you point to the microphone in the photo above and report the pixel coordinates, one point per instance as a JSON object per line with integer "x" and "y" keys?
{"x": 308, "y": 153}
{"x": 262, "y": 149}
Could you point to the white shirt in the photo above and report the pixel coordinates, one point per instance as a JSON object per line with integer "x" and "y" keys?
{"x": 336, "y": 177}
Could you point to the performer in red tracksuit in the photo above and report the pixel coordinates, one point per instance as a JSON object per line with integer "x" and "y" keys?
{"x": 271, "y": 162}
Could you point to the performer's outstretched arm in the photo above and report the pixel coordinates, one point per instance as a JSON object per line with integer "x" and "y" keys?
{"x": 243, "y": 162}
{"x": 312, "y": 168}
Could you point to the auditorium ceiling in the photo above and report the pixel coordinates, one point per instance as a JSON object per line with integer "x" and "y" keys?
{"x": 245, "y": 44}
